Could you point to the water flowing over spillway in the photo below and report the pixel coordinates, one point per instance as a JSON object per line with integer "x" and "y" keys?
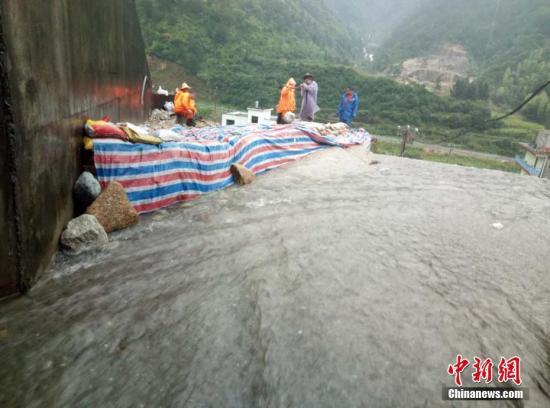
{"x": 330, "y": 282}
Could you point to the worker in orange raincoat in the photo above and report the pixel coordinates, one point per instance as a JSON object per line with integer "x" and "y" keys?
{"x": 184, "y": 106}
{"x": 287, "y": 102}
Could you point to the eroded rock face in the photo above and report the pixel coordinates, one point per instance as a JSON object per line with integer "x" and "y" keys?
{"x": 113, "y": 209}
{"x": 242, "y": 175}
{"x": 438, "y": 72}
{"x": 83, "y": 232}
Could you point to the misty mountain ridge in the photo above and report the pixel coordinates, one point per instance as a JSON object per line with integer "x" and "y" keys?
{"x": 507, "y": 44}
{"x": 492, "y": 31}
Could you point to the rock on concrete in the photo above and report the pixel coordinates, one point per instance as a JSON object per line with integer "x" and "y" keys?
{"x": 86, "y": 189}
{"x": 113, "y": 209}
{"x": 242, "y": 175}
{"x": 83, "y": 232}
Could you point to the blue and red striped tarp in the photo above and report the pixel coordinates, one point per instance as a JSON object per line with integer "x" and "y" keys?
{"x": 158, "y": 176}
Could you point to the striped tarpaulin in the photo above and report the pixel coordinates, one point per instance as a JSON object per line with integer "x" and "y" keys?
{"x": 158, "y": 176}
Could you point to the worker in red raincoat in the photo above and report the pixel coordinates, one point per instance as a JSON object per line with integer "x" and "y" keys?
{"x": 184, "y": 106}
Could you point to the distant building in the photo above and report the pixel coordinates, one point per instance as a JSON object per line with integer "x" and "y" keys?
{"x": 254, "y": 115}
{"x": 536, "y": 161}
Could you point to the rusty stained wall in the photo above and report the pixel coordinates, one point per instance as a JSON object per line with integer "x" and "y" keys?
{"x": 63, "y": 61}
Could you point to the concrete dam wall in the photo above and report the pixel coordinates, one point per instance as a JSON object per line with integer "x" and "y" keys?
{"x": 61, "y": 62}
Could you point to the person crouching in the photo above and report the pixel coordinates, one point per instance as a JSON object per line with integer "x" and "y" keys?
{"x": 184, "y": 106}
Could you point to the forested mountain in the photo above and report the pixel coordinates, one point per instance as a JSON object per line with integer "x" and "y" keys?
{"x": 241, "y": 51}
{"x": 508, "y": 41}
{"x": 497, "y": 33}
{"x": 199, "y": 33}
{"x": 245, "y": 50}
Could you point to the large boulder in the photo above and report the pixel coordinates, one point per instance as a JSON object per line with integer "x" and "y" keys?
{"x": 113, "y": 209}
{"x": 86, "y": 189}
{"x": 241, "y": 174}
{"x": 83, "y": 232}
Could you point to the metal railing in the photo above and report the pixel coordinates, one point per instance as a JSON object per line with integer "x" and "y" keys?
{"x": 533, "y": 171}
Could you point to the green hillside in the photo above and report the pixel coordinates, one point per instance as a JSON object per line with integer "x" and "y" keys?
{"x": 198, "y": 34}
{"x": 497, "y": 33}
{"x": 508, "y": 40}
{"x": 242, "y": 51}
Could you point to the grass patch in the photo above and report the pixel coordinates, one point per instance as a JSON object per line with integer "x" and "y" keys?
{"x": 472, "y": 162}
{"x": 213, "y": 111}
{"x": 517, "y": 122}
{"x": 393, "y": 149}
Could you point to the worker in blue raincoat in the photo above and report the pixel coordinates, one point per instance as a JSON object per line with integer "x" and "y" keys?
{"x": 349, "y": 104}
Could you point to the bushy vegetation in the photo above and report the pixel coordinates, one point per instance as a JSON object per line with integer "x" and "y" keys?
{"x": 198, "y": 34}
{"x": 464, "y": 89}
{"x": 521, "y": 79}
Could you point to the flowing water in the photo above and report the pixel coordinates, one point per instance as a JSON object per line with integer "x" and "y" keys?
{"x": 329, "y": 283}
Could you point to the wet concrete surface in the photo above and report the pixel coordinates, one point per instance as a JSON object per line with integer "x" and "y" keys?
{"x": 328, "y": 283}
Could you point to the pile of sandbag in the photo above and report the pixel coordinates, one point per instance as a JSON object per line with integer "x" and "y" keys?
{"x": 160, "y": 115}
{"x": 128, "y": 132}
{"x": 325, "y": 129}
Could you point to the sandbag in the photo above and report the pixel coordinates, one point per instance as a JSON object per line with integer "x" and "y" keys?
{"x": 289, "y": 117}
{"x": 88, "y": 143}
{"x": 167, "y": 135}
{"x": 103, "y": 129}
{"x": 136, "y": 134}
